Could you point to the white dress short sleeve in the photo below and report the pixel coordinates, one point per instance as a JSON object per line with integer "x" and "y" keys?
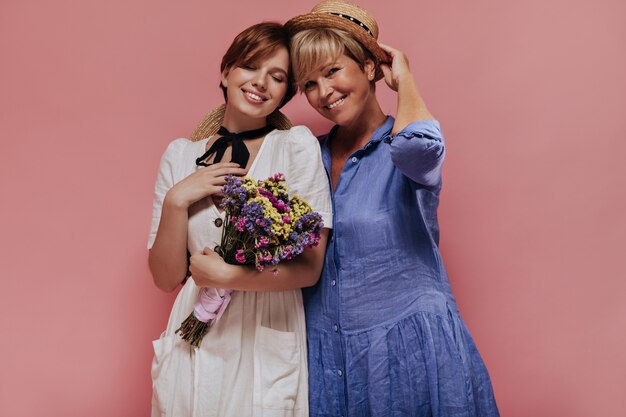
{"x": 165, "y": 180}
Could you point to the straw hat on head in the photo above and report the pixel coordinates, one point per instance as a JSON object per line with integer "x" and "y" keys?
{"x": 211, "y": 122}
{"x": 349, "y": 17}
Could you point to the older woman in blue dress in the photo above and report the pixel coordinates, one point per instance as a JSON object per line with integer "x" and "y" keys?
{"x": 385, "y": 336}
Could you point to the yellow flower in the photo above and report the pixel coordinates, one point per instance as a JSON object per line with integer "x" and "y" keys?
{"x": 277, "y": 188}
{"x": 250, "y": 186}
{"x": 299, "y": 207}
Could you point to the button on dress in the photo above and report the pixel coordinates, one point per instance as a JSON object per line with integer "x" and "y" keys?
{"x": 384, "y": 332}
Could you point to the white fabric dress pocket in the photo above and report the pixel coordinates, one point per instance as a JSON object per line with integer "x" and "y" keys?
{"x": 163, "y": 374}
{"x": 277, "y": 365}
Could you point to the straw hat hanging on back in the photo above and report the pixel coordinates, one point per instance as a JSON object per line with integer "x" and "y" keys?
{"x": 349, "y": 17}
{"x": 212, "y": 121}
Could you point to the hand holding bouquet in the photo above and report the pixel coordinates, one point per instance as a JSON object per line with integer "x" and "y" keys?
{"x": 262, "y": 227}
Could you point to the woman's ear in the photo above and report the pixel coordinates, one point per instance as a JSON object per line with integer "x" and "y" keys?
{"x": 370, "y": 69}
{"x": 224, "y": 76}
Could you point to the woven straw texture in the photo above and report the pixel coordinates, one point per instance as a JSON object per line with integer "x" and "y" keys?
{"x": 337, "y": 14}
{"x": 212, "y": 121}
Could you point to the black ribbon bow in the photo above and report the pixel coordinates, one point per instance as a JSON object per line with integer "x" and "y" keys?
{"x": 240, "y": 150}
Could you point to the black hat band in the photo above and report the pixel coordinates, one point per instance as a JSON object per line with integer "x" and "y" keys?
{"x": 353, "y": 20}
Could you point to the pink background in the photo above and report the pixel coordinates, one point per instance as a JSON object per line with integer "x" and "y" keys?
{"x": 531, "y": 97}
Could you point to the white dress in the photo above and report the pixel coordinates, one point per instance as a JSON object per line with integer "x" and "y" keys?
{"x": 252, "y": 362}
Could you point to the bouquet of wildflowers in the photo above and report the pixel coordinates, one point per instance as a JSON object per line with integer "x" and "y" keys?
{"x": 262, "y": 227}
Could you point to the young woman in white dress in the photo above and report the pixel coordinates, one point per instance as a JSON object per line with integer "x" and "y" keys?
{"x": 252, "y": 362}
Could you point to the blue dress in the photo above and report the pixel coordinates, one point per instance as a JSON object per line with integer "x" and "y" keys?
{"x": 385, "y": 337}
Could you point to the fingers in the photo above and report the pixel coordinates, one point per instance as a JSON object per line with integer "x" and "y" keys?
{"x": 226, "y": 165}
{"x": 388, "y": 49}
{"x": 230, "y": 171}
{"x": 397, "y": 56}
{"x": 217, "y": 180}
{"x": 208, "y": 181}
{"x": 393, "y": 53}
{"x": 225, "y": 168}
{"x": 388, "y": 76}
{"x": 386, "y": 70}
{"x": 218, "y": 174}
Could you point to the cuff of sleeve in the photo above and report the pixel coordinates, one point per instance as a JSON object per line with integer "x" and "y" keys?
{"x": 151, "y": 239}
{"x": 429, "y": 129}
{"x": 327, "y": 219}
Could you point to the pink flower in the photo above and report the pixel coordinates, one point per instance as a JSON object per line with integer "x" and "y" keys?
{"x": 240, "y": 224}
{"x": 248, "y": 235}
{"x": 263, "y": 242}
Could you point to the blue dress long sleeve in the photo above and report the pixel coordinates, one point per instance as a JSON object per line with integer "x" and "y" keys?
{"x": 385, "y": 337}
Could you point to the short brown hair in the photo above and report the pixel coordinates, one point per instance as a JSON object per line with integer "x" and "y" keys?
{"x": 255, "y": 43}
{"x": 313, "y": 48}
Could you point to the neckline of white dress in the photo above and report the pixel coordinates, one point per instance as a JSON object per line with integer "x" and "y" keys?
{"x": 212, "y": 206}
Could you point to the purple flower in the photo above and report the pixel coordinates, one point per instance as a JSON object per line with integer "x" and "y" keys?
{"x": 247, "y": 236}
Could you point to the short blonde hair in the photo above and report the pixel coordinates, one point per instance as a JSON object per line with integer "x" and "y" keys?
{"x": 314, "y": 48}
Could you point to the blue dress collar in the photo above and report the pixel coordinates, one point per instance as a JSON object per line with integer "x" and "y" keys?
{"x": 379, "y": 134}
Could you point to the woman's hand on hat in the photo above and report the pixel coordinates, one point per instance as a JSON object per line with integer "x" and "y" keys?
{"x": 202, "y": 183}
{"x": 411, "y": 106}
{"x": 398, "y": 71}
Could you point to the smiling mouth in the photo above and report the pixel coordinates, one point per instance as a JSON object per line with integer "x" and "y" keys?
{"x": 254, "y": 97}
{"x": 336, "y": 103}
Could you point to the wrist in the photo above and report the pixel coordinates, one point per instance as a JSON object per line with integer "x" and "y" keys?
{"x": 406, "y": 84}
{"x": 229, "y": 273}
{"x": 175, "y": 201}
